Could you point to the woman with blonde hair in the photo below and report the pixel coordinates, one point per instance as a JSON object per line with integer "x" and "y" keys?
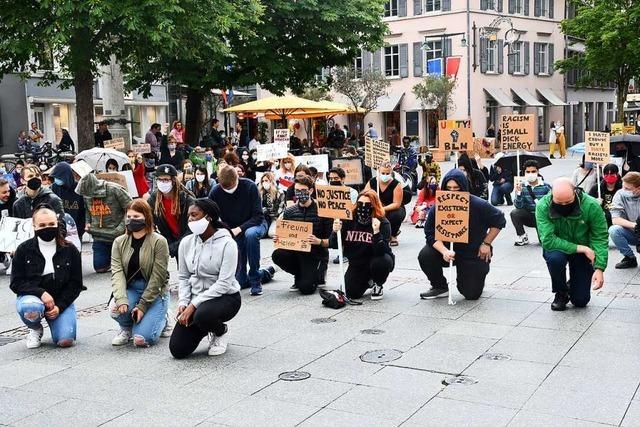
{"x": 272, "y": 199}
{"x": 285, "y": 174}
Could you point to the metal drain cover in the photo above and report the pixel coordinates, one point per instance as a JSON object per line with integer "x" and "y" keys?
{"x": 461, "y": 379}
{"x": 323, "y": 320}
{"x": 381, "y": 356}
{"x": 294, "y": 376}
{"x": 372, "y": 331}
{"x": 496, "y": 356}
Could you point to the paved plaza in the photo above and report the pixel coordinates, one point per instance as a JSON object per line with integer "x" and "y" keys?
{"x": 509, "y": 358}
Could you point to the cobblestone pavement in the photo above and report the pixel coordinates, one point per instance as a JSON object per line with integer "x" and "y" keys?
{"x": 508, "y": 358}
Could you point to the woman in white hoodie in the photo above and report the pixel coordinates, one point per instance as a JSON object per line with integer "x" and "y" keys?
{"x": 209, "y": 294}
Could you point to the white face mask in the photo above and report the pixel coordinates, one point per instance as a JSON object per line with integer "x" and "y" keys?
{"x": 165, "y": 187}
{"x": 231, "y": 190}
{"x": 385, "y": 177}
{"x": 266, "y": 185}
{"x": 198, "y": 227}
{"x": 531, "y": 177}
{"x": 199, "y": 177}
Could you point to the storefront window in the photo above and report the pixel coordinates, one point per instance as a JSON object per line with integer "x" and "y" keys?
{"x": 60, "y": 119}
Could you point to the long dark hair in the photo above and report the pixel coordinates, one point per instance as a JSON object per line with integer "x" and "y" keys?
{"x": 465, "y": 161}
{"x": 206, "y": 184}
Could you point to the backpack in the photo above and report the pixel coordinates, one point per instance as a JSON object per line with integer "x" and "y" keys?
{"x": 336, "y": 299}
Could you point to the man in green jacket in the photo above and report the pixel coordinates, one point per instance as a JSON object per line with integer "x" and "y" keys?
{"x": 572, "y": 229}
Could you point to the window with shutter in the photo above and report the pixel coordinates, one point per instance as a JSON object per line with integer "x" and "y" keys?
{"x": 483, "y": 54}
{"x": 366, "y": 60}
{"x": 404, "y": 60}
{"x": 392, "y": 61}
{"x": 417, "y": 7}
{"x": 550, "y": 67}
{"x": 376, "y": 60}
{"x": 402, "y": 8}
{"x": 446, "y": 5}
{"x": 448, "y": 48}
{"x": 536, "y": 58}
{"x": 484, "y": 4}
{"x": 417, "y": 59}
{"x": 525, "y": 56}
{"x": 358, "y": 65}
{"x": 537, "y": 8}
{"x": 391, "y": 8}
{"x": 492, "y": 56}
{"x": 518, "y": 7}
{"x": 433, "y": 6}
{"x": 526, "y": 7}
{"x": 500, "y": 47}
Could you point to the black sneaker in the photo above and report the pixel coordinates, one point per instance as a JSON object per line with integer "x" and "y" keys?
{"x": 336, "y": 260}
{"x": 268, "y": 274}
{"x": 293, "y": 288}
{"x": 376, "y": 292}
{"x": 434, "y": 293}
{"x": 560, "y": 301}
{"x": 627, "y": 262}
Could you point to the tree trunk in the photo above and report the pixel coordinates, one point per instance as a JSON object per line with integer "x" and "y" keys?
{"x": 83, "y": 85}
{"x": 193, "y": 122}
{"x": 623, "y": 87}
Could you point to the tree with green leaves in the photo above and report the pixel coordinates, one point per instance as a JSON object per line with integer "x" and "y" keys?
{"x": 436, "y": 91}
{"x": 609, "y": 31}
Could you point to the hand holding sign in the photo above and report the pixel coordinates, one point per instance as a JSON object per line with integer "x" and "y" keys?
{"x": 334, "y": 202}
{"x": 293, "y": 235}
{"x": 452, "y": 216}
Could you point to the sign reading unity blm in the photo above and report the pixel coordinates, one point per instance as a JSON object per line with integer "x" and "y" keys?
{"x": 452, "y": 216}
{"x": 273, "y": 151}
{"x": 334, "y": 202}
{"x": 293, "y": 235}
{"x": 115, "y": 143}
{"x": 455, "y": 135}
{"x": 596, "y": 147}
{"x": 375, "y": 152}
{"x": 518, "y": 132}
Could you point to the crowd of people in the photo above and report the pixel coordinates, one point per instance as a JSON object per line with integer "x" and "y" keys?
{"x": 209, "y": 208}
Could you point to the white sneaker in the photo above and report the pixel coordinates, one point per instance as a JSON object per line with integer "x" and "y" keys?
{"x": 522, "y": 240}
{"x": 123, "y": 337}
{"x": 168, "y": 327}
{"x": 34, "y": 338}
{"x": 217, "y": 345}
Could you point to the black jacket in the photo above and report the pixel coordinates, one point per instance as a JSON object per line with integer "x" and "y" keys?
{"x": 506, "y": 174}
{"x": 100, "y": 138}
{"x": 73, "y": 202}
{"x": 183, "y": 220}
{"x": 360, "y": 245}
{"x": 28, "y": 265}
{"x": 23, "y": 208}
{"x": 321, "y": 226}
{"x": 9, "y": 205}
{"x": 175, "y": 161}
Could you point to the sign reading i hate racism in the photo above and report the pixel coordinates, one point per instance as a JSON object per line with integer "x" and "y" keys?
{"x": 517, "y": 132}
{"x": 334, "y": 202}
{"x": 596, "y": 147}
{"x": 293, "y": 235}
{"x": 455, "y": 135}
{"x": 452, "y": 216}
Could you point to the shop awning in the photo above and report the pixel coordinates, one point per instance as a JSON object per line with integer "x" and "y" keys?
{"x": 500, "y": 97}
{"x": 527, "y": 97}
{"x": 551, "y": 97}
{"x": 416, "y": 105}
{"x": 389, "y": 102}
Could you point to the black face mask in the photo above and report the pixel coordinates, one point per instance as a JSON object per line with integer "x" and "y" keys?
{"x": 34, "y": 184}
{"x": 134, "y": 225}
{"x": 302, "y": 196}
{"x": 565, "y": 210}
{"x": 47, "y": 234}
{"x": 336, "y": 183}
{"x": 363, "y": 212}
{"x": 621, "y": 153}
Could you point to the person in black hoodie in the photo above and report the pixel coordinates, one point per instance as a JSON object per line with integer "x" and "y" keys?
{"x": 477, "y": 181}
{"x": 35, "y": 194}
{"x": 502, "y": 185}
{"x": 47, "y": 277}
{"x": 366, "y": 245}
{"x": 471, "y": 259}
{"x": 609, "y": 185}
{"x": 64, "y": 186}
{"x": 308, "y": 268}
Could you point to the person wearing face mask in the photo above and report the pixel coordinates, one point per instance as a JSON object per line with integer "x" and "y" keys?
{"x": 391, "y": 197}
{"x": 139, "y": 172}
{"x": 7, "y": 199}
{"x": 106, "y": 204}
{"x": 285, "y": 174}
{"x": 211, "y": 163}
{"x": 426, "y": 199}
{"x": 609, "y": 185}
{"x": 572, "y": 230}
{"x": 111, "y": 166}
{"x": 272, "y": 201}
{"x": 289, "y": 193}
{"x": 625, "y": 216}
{"x": 139, "y": 279}
{"x": 171, "y": 155}
{"x": 308, "y": 268}
{"x": 584, "y": 176}
{"x": 47, "y": 278}
{"x": 337, "y": 177}
{"x": 17, "y": 174}
{"x": 208, "y": 293}
{"x": 528, "y": 193}
{"x": 170, "y": 203}
{"x": 366, "y": 243}
{"x": 187, "y": 171}
{"x": 35, "y": 194}
{"x": 241, "y": 209}
{"x": 64, "y": 186}
{"x": 200, "y": 185}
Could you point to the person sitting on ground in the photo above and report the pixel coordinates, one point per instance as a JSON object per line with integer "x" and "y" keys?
{"x": 477, "y": 181}
{"x": 472, "y": 260}
{"x": 572, "y": 230}
{"x": 308, "y": 268}
{"x": 391, "y": 197}
{"x": 502, "y": 179}
{"x": 429, "y": 167}
{"x": 111, "y": 166}
{"x": 366, "y": 243}
{"x": 625, "y": 216}
{"x": 170, "y": 155}
{"x": 208, "y": 293}
{"x": 272, "y": 201}
{"x": 584, "y": 176}
{"x": 527, "y": 196}
{"x": 610, "y": 184}
{"x": 46, "y": 275}
{"x": 35, "y": 194}
{"x": 201, "y": 184}
{"x": 426, "y": 199}
{"x": 337, "y": 177}
{"x": 289, "y": 193}
{"x": 7, "y": 199}
{"x": 285, "y": 174}
{"x": 64, "y": 186}
{"x": 139, "y": 279}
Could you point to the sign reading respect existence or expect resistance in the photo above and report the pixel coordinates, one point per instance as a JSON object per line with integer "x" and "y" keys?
{"x": 375, "y": 152}
{"x": 293, "y": 235}
{"x": 596, "y": 147}
{"x": 452, "y": 216}
{"x": 455, "y": 135}
{"x": 334, "y": 202}
{"x": 518, "y": 132}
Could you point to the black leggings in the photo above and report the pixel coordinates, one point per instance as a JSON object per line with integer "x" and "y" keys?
{"x": 395, "y": 218}
{"x": 208, "y": 317}
{"x": 360, "y": 271}
{"x": 306, "y": 268}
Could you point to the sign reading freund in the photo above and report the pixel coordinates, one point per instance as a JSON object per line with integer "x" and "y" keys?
{"x": 518, "y": 132}
{"x": 452, "y": 216}
{"x": 293, "y": 235}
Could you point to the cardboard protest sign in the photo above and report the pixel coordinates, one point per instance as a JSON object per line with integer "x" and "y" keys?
{"x": 629, "y": 129}
{"x": 518, "y": 132}
{"x": 293, "y": 235}
{"x": 454, "y": 135}
{"x": 596, "y": 147}
{"x": 123, "y": 179}
{"x": 452, "y": 216}
{"x": 334, "y": 202}
{"x": 14, "y": 231}
{"x": 376, "y": 153}
{"x": 617, "y": 129}
{"x": 281, "y": 136}
{"x": 141, "y": 148}
{"x": 353, "y": 169}
{"x": 318, "y": 161}
{"x": 368, "y": 142}
{"x": 483, "y": 147}
{"x": 274, "y": 151}
{"x": 115, "y": 143}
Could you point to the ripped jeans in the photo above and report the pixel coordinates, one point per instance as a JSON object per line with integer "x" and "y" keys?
{"x": 154, "y": 319}
{"x": 31, "y": 310}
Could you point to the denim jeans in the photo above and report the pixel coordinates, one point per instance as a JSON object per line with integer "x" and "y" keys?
{"x": 500, "y": 192}
{"x": 62, "y": 327}
{"x": 101, "y": 254}
{"x": 249, "y": 251}
{"x": 580, "y": 273}
{"x": 623, "y": 238}
{"x": 153, "y": 320}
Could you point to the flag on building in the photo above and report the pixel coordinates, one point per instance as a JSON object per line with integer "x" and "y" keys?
{"x": 434, "y": 67}
{"x": 453, "y": 65}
